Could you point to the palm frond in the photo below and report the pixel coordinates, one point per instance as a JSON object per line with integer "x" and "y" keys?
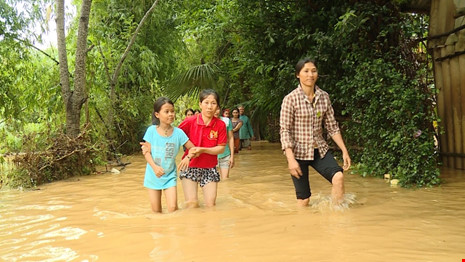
{"x": 196, "y": 78}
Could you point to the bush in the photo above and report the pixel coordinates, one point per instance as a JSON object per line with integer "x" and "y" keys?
{"x": 61, "y": 157}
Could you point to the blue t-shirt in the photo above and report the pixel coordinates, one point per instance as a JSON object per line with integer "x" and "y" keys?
{"x": 229, "y": 127}
{"x": 164, "y": 151}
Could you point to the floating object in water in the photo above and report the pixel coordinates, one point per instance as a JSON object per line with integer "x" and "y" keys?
{"x": 394, "y": 182}
{"x": 115, "y": 171}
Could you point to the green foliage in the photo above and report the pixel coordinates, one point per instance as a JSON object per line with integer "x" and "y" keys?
{"x": 386, "y": 94}
{"x": 148, "y": 68}
{"x": 196, "y": 78}
{"x": 368, "y": 61}
{"x": 11, "y": 57}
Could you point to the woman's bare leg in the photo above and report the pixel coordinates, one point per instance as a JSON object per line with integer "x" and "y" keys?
{"x": 224, "y": 172}
{"x": 303, "y": 202}
{"x": 337, "y": 192}
{"x": 209, "y": 194}
{"x": 190, "y": 193}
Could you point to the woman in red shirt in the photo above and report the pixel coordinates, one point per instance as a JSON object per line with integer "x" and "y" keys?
{"x": 208, "y": 134}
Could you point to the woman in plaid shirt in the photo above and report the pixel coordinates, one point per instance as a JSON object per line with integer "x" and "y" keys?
{"x": 303, "y": 113}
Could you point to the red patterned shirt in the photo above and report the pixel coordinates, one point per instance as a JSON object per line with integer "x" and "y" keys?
{"x": 301, "y": 123}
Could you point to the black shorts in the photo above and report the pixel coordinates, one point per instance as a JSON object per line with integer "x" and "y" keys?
{"x": 327, "y": 167}
{"x": 202, "y": 176}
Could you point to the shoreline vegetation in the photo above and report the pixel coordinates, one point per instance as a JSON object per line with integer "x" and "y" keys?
{"x": 110, "y": 62}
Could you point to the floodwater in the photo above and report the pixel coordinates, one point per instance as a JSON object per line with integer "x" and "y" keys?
{"x": 107, "y": 217}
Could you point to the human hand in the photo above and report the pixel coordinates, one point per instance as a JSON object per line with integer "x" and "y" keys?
{"x": 347, "y": 161}
{"x": 159, "y": 171}
{"x": 184, "y": 164}
{"x": 294, "y": 168}
{"x": 145, "y": 147}
{"x": 195, "y": 151}
{"x": 231, "y": 162}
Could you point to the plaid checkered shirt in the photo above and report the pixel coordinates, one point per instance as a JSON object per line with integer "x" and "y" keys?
{"x": 301, "y": 122}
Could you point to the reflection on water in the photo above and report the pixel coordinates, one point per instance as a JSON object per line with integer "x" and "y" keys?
{"x": 108, "y": 218}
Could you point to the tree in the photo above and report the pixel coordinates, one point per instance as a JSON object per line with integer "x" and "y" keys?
{"x": 123, "y": 101}
{"x": 73, "y": 98}
{"x": 367, "y": 59}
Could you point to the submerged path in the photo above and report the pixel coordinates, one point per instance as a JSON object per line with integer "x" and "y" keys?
{"x": 107, "y": 218}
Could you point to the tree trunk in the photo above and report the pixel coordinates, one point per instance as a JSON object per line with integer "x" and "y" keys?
{"x": 73, "y": 99}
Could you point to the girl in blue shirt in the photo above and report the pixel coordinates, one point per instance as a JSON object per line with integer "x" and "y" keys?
{"x": 162, "y": 143}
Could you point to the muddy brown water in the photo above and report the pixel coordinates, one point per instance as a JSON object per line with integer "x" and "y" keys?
{"x": 107, "y": 217}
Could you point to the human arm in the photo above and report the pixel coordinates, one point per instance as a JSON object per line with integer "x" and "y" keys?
{"x": 238, "y": 126}
{"x": 250, "y": 129}
{"x": 292, "y": 164}
{"x": 286, "y": 122}
{"x": 231, "y": 148}
{"x": 158, "y": 170}
{"x": 337, "y": 138}
{"x": 184, "y": 164}
{"x": 216, "y": 150}
{"x": 335, "y": 133}
{"x": 145, "y": 147}
{"x": 216, "y": 146}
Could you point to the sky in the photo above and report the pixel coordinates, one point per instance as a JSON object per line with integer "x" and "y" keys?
{"x": 48, "y": 28}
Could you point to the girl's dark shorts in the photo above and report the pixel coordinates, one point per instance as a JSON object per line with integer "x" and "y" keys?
{"x": 327, "y": 167}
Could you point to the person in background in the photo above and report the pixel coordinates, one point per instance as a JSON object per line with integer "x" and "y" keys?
{"x": 236, "y": 124}
{"x": 226, "y": 159}
{"x": 226, "y": 113}
{"x": 162, "y": 143}
{"x": 196, "y": 111}
{"x": 246, "y": 131}
{"x": 208, "y": 134}
{"x": 189, "y": 112}
{"x": 303, "y": 112}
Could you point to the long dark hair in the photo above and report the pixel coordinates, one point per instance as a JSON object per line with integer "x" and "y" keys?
{"x": 157, "y": 107}
{"x": 302, "y": 63}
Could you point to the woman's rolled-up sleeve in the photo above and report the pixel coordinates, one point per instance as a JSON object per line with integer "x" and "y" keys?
{"x": 330, "y": 121}
{"x": 286, "y": 122}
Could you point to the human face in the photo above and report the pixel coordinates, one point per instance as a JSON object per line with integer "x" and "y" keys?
{"x": 235, "y": 113}
{"x": 189, "y": 113}
{"x": 226, "y": 114}
{"x": 217, "y": 113}
{"x": 308, "y": 75}
{"x": 208, "y": 106}
{"x": 166, "y": 114}
{"x": 241, "y": 110}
